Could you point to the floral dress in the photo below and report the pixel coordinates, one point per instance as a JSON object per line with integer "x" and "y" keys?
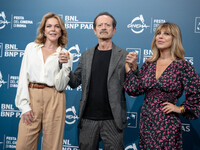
{"x": 158, "y": 130}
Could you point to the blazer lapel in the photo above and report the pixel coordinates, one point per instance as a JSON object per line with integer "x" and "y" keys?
{"x": 89, "y": 58}
{"x": 115, "y": 57}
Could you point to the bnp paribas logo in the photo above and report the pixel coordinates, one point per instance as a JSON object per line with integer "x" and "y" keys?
{"x": 1, "y": 80}
{"x": 3, "y": 21}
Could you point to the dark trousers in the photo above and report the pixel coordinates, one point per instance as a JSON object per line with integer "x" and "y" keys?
{"x": 92, "y": 132}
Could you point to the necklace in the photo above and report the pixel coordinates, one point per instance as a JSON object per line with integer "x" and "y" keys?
{"x": 50, "y": 47}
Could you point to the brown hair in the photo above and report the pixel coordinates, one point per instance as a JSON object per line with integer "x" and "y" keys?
{"x": 177, "y": 50}
{"x": 62, "y": 41}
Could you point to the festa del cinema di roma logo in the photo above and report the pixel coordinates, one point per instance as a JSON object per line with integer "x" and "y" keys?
{"x": 1, "y": 80}
{"x": 75, "y": 51}
{"x": 71, "y": 115}
{"x": 131, "y": 147}
{"x": 3, "y": 21}
{"x": 137, "y": 25}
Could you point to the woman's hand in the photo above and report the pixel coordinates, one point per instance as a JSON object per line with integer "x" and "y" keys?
{"x": 63, "y": 57}
{"x": 169, "y": 107}
{"x": 127, "y": 68}
{"x": 131, "y": 60}
{"x": 27, "y": 117}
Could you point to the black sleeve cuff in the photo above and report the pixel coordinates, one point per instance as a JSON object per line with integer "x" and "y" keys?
{"x": 60, "y": 65}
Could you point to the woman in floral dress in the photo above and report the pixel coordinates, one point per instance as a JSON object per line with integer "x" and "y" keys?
{"x": 163, "y": 78}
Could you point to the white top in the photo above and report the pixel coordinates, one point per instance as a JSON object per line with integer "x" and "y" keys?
{"x": 33, "y": 69}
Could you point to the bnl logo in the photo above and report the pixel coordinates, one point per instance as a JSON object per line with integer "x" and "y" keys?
{"x": 61, "y": 16}
{"x": 3, "y": 21}
{"x": 197, "y": 25}
{"x": 190, "y": 59}
{"x": 137, "y": 51}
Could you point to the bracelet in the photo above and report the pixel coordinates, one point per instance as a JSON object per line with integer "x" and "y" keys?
{"x": 182, "y": 109}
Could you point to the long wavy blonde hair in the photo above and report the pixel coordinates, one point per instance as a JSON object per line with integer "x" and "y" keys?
{"x": 62, "y": 41}
{"x": 177, "y": 50}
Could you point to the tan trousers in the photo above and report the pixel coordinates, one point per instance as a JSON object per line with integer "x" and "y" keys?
{"x": 49, "y": 109}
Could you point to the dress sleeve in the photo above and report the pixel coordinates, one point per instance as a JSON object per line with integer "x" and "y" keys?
{"x": 22, "y": 99}
{"x": 191, "y": 83}
{"x": 134, "y": 82}
{"x": 62, "y": 78}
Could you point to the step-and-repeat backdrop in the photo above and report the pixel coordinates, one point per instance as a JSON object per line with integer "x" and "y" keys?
{"x": 136, "y": 23}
